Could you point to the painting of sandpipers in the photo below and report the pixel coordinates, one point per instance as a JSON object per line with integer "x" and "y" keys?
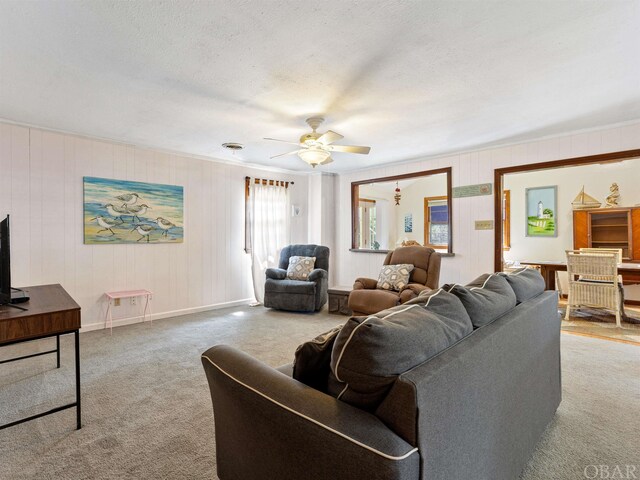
{"x": 121, "y": 211}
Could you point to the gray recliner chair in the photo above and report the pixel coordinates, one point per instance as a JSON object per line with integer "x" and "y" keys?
{"x": 283, "y": 293}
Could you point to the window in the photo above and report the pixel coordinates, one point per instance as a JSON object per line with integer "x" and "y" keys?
{"x": 367, "y": 228}
{"x": 436, "y": 222}
{"x": 506, "y": 220}
{"x": 248, "y": 214}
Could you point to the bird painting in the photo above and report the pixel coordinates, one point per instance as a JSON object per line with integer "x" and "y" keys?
{"x": 106, "y": 223}
{"x": 165, "y": 225}
{"x": 143, "y": 230}
{"x": 115, "y": 210}
{"x": 128, "y": 198}
{"x": 136, "y": 210}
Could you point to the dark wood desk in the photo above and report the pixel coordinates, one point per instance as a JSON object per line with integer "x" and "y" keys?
{"x": 630, "y": 273}
{"x": 51, "y": 312}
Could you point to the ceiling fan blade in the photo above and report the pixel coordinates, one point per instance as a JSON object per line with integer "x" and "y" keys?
{"x": 328, "y": 160}
{"x": 283, "y": 141}
{"x": 349, "y": 149}
{"x": 285, "y": 154}
{"x": 329, "y": 137}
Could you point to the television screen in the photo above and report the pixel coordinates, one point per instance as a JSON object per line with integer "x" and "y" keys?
{"x": 5, "y": 264}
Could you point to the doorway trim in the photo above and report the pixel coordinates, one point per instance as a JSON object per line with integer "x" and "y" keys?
{"x": 498, "y": 177}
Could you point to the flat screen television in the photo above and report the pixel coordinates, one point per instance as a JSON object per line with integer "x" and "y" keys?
{"x": 5, "y": 263}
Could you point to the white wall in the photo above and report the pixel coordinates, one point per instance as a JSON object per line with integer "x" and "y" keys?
{"x": 321, "y": 205}
{"x": 41, "y": 187}
{"x": 596, "y": 180}
{"x": 315, "y": 208}
{"x": 473, "y": 248}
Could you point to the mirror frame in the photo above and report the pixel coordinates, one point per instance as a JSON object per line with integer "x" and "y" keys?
{"x": 355, "y": 186}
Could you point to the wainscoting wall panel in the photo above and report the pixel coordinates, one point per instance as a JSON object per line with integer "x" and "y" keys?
{"x": 473, "y": 248}
{"x": 41, "y": 188}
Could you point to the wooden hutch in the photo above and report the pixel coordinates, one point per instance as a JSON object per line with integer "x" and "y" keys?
{"x": 608, "y": 228}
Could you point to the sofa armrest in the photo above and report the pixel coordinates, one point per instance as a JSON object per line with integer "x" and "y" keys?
{"x": 367, "y": 283}
{"x": 271, "y": 426}
{"x": 317, "y": 274}
{"x": 276, "y": 273}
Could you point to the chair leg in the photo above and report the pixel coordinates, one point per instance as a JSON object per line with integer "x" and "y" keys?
{"x": 621, "y": 303}
{"x": 568, "y": 309}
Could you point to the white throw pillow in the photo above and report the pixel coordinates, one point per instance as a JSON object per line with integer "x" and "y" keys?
{"x": 394, "y": 277}
{"x": 300, "y": 267}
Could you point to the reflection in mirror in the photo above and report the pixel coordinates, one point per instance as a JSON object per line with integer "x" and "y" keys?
{"x": 412, "y": 209}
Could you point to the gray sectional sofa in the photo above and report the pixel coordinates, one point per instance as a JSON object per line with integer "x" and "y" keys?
{"x": 477, "y": 395}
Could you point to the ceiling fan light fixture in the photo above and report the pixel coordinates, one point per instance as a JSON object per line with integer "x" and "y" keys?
{"x": 315, "y": 148}
{"x": 314, "y": 156}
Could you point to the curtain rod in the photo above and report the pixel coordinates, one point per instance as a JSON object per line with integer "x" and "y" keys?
{"x": 264, "y": 181}
{"x": 267, "y": 181}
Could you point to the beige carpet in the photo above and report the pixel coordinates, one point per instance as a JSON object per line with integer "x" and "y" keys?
{"x": 147, "y": 410}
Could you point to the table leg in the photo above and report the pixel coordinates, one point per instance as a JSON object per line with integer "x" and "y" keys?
{"x": 110, "y": 318}
{"x": 144, "y": 314}
{"x": 58, "y": 349}
{"x": 78, "y": 411}
{"x": 622, "y": 312}
{"x": 106, "y": 315}
{"x": 549, "y": 275}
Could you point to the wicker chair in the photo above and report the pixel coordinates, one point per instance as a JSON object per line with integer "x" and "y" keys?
{"x": 594, "y": 282}
{"x": 617, "y": 251}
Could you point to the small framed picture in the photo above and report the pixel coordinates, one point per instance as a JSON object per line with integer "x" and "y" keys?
{"x": 541, "y": 206}
{"x": 408, "y": 223}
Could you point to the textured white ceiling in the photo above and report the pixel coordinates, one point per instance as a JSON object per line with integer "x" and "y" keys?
{"x": 408, "y": 78}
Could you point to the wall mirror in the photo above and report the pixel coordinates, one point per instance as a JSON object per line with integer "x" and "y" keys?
{"x": 391, "y": 211}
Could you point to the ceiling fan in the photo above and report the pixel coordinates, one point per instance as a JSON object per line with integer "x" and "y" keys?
{"x": 315, "y": 148}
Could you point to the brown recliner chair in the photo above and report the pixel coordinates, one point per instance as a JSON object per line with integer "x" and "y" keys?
{"x": 366, "y": 298}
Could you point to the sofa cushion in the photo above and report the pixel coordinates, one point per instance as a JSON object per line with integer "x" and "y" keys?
{"x": 289, "y": 286}
{"x": 487, "y": 298}
{"x": 300, "y": 267}
{"x": 370, "y": 352}
{"x": 394, "y": 277}
{"x": 313, "y": 358}
{"x": 526, "y": 283}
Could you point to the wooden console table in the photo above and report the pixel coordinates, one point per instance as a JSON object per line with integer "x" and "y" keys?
{"x": 51, "y": 312}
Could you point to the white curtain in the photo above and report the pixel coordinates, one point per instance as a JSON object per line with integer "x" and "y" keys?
{"x": 270, "y": 230}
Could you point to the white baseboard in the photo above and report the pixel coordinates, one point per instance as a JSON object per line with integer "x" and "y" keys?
{"x": 158, "y": 316}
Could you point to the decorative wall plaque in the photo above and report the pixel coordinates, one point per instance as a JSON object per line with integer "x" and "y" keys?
{"x": 473, "y": 190}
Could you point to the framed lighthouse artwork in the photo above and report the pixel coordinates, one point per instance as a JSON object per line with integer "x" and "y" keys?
{"x": 123, "y": 211}
{"x": 541, "y": 205}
